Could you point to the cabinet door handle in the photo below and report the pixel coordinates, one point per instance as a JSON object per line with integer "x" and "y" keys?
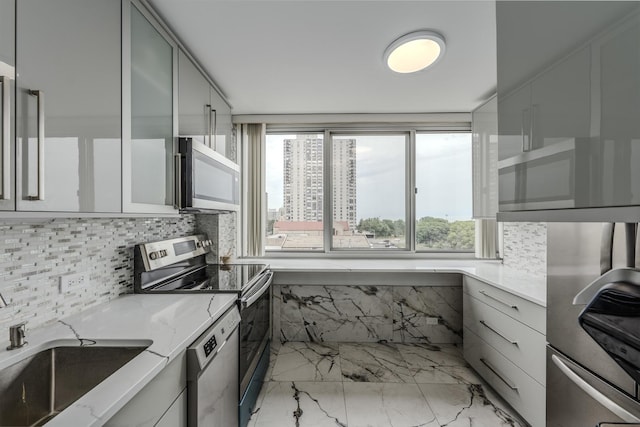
{"x": 510, "y": 341}
{"x": 214, "y": 143}
{"x": 515, "y": 307}
{"x": 532, "y": 128}
{"x": 497, "y": 374}
{"x": 525, "y": 131}
{"x": 177, "y": 158}
{"x": 209, "y": 134}
{"x": 40, "y": 119}
{"x": 6, "y": 137}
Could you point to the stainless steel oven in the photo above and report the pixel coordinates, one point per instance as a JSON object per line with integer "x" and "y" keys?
{"x": 179, "y": 266}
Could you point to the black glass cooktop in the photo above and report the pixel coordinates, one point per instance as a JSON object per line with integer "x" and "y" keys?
{"x": 213, "y": 278}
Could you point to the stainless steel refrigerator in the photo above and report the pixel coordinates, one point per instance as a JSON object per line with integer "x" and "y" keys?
{"x": 593, "y": 325}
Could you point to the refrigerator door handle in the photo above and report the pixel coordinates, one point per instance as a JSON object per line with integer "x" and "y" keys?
{"x": 594, "y": 393}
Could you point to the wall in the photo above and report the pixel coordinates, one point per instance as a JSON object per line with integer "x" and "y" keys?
{"x": 525, "y": 247}
{"x": 34, "y": 254}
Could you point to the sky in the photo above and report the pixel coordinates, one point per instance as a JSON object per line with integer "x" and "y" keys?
{"x": 443, "y": 175}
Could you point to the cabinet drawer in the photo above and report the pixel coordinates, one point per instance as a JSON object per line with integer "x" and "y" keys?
{"x": 522, "y": 392}
{"x": 520, "y": 309}
{"x": 524, "y": 346}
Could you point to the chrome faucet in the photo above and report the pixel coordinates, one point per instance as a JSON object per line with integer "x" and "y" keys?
{"x": 17, "y": 335}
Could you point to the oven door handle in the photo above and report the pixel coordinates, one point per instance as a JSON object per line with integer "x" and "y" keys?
{"x": 594, "y": 393}
{"x": 250, "y": 299}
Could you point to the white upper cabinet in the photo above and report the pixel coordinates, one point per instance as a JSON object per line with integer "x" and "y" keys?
{"x": 203, "y": 114}
{"x": 150, "y": 99}
{"x": 195, "y": 118}
{"x": 569, "y": 134}
{"x": 7, "y": 105}
{"x": 484, "y": 123}
{"x": 68, "y": 135}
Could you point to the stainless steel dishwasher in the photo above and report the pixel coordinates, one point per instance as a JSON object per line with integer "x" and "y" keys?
{"x": 212, "y": 374}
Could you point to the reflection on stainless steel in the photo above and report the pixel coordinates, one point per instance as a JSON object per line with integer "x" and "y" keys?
{"x": 585, "y": 384}
{"x": 39, "y": 387}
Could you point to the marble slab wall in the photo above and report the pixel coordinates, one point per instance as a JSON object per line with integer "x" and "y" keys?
{"x": 525, "y": 247}
{"x": 358, "y": 313}
{"x": 33, "y": 256}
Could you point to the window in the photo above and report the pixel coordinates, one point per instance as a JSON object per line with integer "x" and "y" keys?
{"x": 444, "y": 192}
{"x": 364, "y": 182}
{"x": 368, "y": 191}
{"x": 294, "y": 186}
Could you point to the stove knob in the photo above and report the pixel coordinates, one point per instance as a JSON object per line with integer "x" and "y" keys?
{"x": 163, "y": 253}
{"x": 153, "y": 255}
{"x": 198, "y": 244}
{"x": 210, "y": 242}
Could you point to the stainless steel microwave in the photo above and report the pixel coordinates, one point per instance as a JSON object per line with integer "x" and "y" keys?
{"x": 206, "y": 180}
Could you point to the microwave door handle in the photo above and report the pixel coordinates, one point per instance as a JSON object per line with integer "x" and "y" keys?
{"x": 631, "y": 231}
{"x": 177, "y": 181}
{"x": 593, "y": 392}
{"x": 606, "y": 247}
{"x": 248, "y": 301}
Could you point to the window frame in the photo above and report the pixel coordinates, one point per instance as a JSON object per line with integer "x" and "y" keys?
{"x": 410, "y": 190}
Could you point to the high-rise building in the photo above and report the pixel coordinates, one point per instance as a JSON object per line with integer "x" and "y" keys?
{"x": 303, "y": 179}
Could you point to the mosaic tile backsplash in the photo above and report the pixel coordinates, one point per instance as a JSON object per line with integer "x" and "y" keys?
{"x": 525, "y": 247}
{"x": 33, "y": 255}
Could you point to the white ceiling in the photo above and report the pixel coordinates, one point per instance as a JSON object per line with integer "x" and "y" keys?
{"x": 325, "y": 56}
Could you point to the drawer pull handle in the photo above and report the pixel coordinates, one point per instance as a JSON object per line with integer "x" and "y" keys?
{"x": 515, "y": 307}
{"x": 483, "y": 323}
{"x": 497, "y": 374}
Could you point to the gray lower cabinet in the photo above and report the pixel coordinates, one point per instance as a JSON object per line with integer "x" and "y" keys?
{"x": 68, "y": 103}
{"x": 7, "y": 105}
{"x": 162, "y": 402}
{"x": 504, "y": 340}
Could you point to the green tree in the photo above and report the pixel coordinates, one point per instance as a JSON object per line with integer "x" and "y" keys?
{"x": 375, "y": 225}
{"x": 461, "y": 235}
{"x": 432, "y": 232}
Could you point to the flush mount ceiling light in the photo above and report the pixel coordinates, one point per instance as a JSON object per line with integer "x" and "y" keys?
{"x": 414, "y": 51}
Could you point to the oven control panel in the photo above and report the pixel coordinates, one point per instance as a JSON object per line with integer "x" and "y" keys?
{"x": 160, "y": 254}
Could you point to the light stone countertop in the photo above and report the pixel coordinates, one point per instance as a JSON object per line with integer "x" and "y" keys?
{"x": 531, "y": 288}
{"x": 169, "y": 323}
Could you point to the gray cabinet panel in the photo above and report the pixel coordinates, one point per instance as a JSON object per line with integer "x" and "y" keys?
{"x": 194, "y": 103}
{"x": 69, "y": 51}
{"x": 222, "y": 137}
{"x": 7, "y": 104}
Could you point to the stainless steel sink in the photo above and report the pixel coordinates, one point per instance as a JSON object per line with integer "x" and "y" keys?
{"x": 37, "y": 388}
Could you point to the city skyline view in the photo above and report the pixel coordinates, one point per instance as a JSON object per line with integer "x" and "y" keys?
{"x": 380, "y": 173}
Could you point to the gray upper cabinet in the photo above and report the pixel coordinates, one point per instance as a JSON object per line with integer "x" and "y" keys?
{"x": 222, "y": 133}
{"x": 68, "y": 133}
{"x": 203, "y": 114}
{"x": 150, "y": 95}
{"x": 569, "y": 132}
{"x": 7, "y": 105}
{"x": 195, "y": 118}
{"x": 484, "y": 123}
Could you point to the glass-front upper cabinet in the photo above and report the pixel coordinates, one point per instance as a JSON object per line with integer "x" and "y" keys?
{"x": 150, "y": 94}
{"x": 7, "y": 106}
{"x": 68, "y": 134}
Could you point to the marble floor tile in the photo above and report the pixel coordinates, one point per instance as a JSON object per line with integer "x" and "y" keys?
{"x": 433, "y": 354}
{"x": 458, "y": 405}
{"x": 442, "y": 364}
{"x": 368, "y": 362}
{"x": 307, "y": 361}
{"x": 301, "y": 404}
{"x": 387, "y": 405}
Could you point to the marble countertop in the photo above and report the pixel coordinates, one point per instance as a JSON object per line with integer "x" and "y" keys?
{"x": 531, "y": 288}
{"x": 167, "y": 323}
